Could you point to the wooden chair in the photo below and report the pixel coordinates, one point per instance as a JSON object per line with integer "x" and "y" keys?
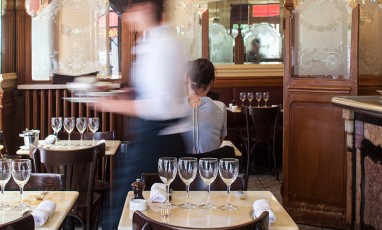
{"x": 38, "y": 182}
{"x": 261, "y": 127}
{"x": 79, "y": 170}
{"x": 197, "y": 185}
{"x": 141, "y": 221}
{"x": 25, "y": 222}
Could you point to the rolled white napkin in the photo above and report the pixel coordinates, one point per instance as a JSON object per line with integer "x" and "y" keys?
{"x": 158, "y": 193}
{"x": 43, "y": 211}
{"x": 263, "y": 205}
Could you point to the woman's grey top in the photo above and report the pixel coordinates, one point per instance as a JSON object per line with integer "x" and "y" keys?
{"x": 211, "y": 126}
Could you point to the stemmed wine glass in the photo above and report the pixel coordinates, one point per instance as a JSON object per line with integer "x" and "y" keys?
{"x": 5, "y": 175}
{"x": 208, "y": 170}
{"x": 259, "y": 95}
{"x": 81, "y": 126}
{"x": 266, "y": 97}
{"x": 250, "y": 97}
{"x": 21, "y": 172}
{"x": 243, "y": 96}
{"x": 93, "y": 126}
{"x": 56, "y": 123}
{"x": 69, "y": 123}
{"x": 187, "y": 168}
{"x": 167, "y": 169}
{"x": 228, "y": 170}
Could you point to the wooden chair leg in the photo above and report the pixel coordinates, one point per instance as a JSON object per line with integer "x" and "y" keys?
{"x": 275, "y": 160}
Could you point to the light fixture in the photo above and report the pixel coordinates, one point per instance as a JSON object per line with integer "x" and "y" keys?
{"x": 29, "y": 9}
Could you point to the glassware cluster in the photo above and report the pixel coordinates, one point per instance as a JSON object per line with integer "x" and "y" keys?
{"x": 250, "y": 96}
{"x": 20, "y": 169}
{"x": 187, "y": 167}
{"x": 81, "y": 123}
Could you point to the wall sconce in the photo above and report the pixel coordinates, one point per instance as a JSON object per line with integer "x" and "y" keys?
{"x": 32, "y": 7}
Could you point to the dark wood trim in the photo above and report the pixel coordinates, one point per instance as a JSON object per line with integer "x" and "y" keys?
{"x": 205, "y": 35}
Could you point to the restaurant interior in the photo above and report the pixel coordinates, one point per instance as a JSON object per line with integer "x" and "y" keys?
{"x": 301, "y": 143}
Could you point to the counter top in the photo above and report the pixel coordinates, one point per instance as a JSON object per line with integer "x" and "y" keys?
{"x": 361, "y": 104}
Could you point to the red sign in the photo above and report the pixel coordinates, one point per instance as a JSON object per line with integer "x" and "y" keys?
{"x": 269, "y": 10}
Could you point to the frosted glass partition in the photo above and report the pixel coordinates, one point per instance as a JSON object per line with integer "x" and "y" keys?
{"x": 322, "y": 39}
{"x": 370, "y": 47}
{"x": 69, "y": 38}
{"x": 221, "y": 44}
{"x": 269, "y": 39}
{"x": 185, "y": 17}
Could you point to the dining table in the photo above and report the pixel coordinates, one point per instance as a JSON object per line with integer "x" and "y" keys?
{"x": 64, "y": 201}
{"x": 214, "y": 218}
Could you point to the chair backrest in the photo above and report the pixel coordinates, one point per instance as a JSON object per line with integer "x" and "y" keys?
{"x": 222, "y": 152}
{"x": 141, "y": 221}
{"x": 109, "y": 135}
{"x": 197, "y": 185}
{"x": 38, "y": 182}
{"x": 263, "y": 121}
{"x": 25, "y": 222}
{"x": 78, "y": 167}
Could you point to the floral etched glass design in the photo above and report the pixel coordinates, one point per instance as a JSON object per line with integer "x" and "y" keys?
{"x": 370, "y": 39}
{"x": 269, "y": 41}
{"x": 221, "y": 44}
{"x": 68, "y": 39}
{"x": 322, "y": 39}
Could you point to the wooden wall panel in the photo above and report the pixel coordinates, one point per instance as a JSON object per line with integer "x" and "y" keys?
{"x": 8, "y": 48}
{"x": 368, "y": 84}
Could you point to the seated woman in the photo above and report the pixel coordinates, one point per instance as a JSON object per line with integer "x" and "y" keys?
{"x": 209, "y": 117}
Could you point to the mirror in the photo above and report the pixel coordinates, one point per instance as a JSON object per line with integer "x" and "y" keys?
{"x": 74, "y": 38}
{"x": 257, "y": 21}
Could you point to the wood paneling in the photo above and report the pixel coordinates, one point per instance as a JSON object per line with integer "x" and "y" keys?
{"x": 8, "y": 39}
{"x": 368, "y": 84}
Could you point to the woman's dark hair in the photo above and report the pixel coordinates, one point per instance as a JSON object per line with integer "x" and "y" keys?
{"x": 158, "y": 7}
{"x": 201, "y": 73}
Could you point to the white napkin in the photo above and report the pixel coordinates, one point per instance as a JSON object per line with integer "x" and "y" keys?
{"x": 101, "y": 142}
{"x": 158, "y": 193}
{"x": 43, "y": 211}
{"x": 263, "y": 205}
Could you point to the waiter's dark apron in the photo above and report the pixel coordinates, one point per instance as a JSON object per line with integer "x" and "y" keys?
{"x": 142, "y": 157}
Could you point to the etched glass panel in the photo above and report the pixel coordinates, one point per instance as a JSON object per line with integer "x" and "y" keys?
{"x": 262, "y": 41}
{"x": 69, "y": 38}
{"x": 221, "y": 44}
{"x": 370, "y": 40}
{"x": 322, "y": 39}
{"x": 185, "y": 17}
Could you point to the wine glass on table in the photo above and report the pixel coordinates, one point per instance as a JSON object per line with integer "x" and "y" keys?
{"x": 21, "y": 172}
{"x": 69, "y": 123}
{"x": 250, "y": 97}
{"x": 81, "y": 127}
{"x": 228, "y": 170}
{"x": 93, "y": 126}
{"x": 259, "y": 96}
{"x": 56, "y": 123}
{"x": 208, "y": 170}
{"x": 167, "y": 169}
{"x": 243, "y": 96}
{"x": 266, "y": 97}
{"x": 187, "y": 168}
{"x": 5, "y": 175}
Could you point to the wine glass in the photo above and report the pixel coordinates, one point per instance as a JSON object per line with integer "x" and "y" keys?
{"x": 167, "y": 169}
{"x": 69, "y": 123}
{"x": 266, "y": 97}
{"x": 208, "y": 170}
{"x": 5, "y": 175}
{"x": 81, "y": 126}
{"x": 187, "y": 168}
{"x": 228, "y": 170}
{"x": 250, "y": 97}
{"x": 243, "y": 96}
{"x": 259, "y": 95}
{"x": 93, "y": 126}
{"x": 21, "y": 171}
{"x": 56, "y": 123}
